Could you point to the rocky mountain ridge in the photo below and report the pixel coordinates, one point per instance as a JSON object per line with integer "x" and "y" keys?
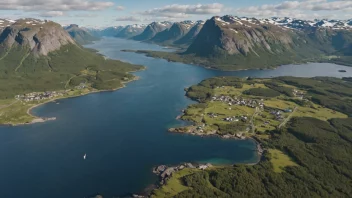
{"x": 5, "y": 23}
{"x": 240, "y": 36}
{"x": 152, "y": 29}
{"x": 108, "y": 32}
{"x": 191, "y": 35}
{"x": 230, "y": 43}
{"x": 131, "y": 31}
{"x": 40, "y": 37}
{"x": 80, "y": 35}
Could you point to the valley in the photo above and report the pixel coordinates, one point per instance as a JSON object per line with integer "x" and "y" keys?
{"x": 105, "y": 119}
{"x": 269, "y": 130}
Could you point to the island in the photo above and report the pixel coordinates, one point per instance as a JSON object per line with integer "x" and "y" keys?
{"x": 302, "y": 124}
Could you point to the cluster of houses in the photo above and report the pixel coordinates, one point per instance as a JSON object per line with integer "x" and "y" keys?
{"x": 199, "y": 129}
{"x": 165, "y": 172}
{"x": 81, "y": 86}
{"x": 239, "y": 101}
{"x": 298, "y": 94}
{"x": 35, "y": 96}
{"x": 243, "y": 118}
{"x": 278, "y": 114}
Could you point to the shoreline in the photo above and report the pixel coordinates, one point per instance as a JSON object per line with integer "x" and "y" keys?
{"x": 145, "y": 53}
{"x": 259, "y": 149}
{"x": 37, "y": 119}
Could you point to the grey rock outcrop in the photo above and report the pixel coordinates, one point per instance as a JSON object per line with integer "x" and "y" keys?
{"x": 41, "y": 37}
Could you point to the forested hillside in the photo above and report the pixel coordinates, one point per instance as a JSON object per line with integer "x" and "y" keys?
{"x": 307, "y": 151}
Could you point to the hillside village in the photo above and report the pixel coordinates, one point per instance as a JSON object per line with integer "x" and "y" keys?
{"x": 36, "y": 96}
{"x": 232, "y": 114}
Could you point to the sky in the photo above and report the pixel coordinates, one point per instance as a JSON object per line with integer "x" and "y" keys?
{"x": 104, "y": 13}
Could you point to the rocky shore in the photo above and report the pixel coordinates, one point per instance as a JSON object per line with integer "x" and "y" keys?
{"x": 195, "y": 130}
{"x": 164, "y": 172}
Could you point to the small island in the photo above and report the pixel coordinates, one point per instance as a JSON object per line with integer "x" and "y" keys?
{"x": 303, "y": 125}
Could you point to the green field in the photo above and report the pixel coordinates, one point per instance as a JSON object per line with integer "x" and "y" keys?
{"x": 174, "y": 185}
{"x": 276, "y": 94}
{"x": 64, "y": 69}
{"x": 280, "y": 160}
{"x": 14, "y": 112}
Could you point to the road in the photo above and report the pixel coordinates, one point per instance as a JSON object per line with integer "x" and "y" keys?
{"x": 3, "y": 107}
{"x": 257, "y": 111}
{"x": 288, "y": 118}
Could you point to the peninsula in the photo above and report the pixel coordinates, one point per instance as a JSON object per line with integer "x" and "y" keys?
{"x": 302, "y": 123}
{"x": 41, "y": 62}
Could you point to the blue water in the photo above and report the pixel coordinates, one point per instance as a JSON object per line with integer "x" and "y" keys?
{"x": 124, "y": 132}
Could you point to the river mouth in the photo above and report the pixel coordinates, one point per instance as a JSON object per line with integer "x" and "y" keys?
{"x": 124, "y": 133}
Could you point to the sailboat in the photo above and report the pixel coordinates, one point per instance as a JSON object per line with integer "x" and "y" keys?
{"x": 84, "y": 156}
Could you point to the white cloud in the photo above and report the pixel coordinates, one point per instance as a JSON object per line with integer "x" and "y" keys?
{"x": 86, "y": 15}
{"x": 52, "y": 14}
{"x": 185, "y": 10}
{"x": 129, "y": 18}
{"x": 54, "y": 5}
{"x": 120, "y": 8}
{"x": 298, "y": 9}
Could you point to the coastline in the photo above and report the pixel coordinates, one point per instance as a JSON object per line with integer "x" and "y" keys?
{"x": 259, "y": 148}
{"x": 211, "y": 67}
{"x": 37, "y": 119}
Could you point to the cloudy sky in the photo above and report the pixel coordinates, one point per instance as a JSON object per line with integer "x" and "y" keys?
{"x": 102, "y": 13}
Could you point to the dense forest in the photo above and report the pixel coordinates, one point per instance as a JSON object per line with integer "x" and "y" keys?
{"x": 320, "y": 151}
{"x": 332, "y": 93}
{"x": 62, "y": 69}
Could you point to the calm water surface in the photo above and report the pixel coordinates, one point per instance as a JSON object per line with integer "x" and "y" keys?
{"x": 124, "y": 133}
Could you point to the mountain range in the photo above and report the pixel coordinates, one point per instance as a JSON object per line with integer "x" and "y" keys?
{"x": 174, "y": 33}
{"x": 230, "y": 43}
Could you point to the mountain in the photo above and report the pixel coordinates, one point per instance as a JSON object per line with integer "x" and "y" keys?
{"x": 131, "y": 31}
{"x": 151, "y": 30}
{"x": 37, "y": 37}
{"x": 5, "y": 23}
{"x": 174, "y": 33}
{"x": 108, "y": 32}
{"x": 80, "y": 35}
{"x": 191, "y": 35}
{"x": 231, "y": 43}
{"x": 41, "y": 56}
{"x": 306, "y": 24}
{"x": 223, "y": 36}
